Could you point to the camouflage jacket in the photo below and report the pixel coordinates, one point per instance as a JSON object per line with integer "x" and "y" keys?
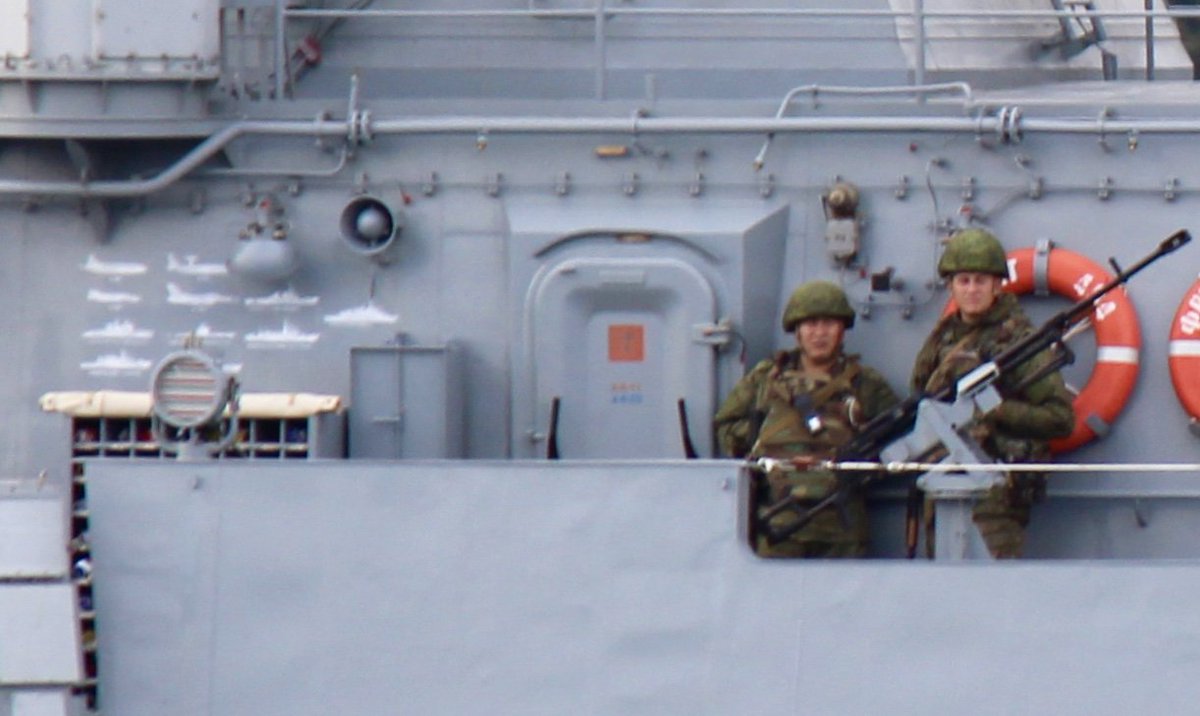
{"x": 778, "y": 411}
{"x": 1020, "y": 427}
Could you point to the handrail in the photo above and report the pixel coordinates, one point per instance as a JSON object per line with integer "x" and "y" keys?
{"x": 587, "y": 14}
{"x": 918, "y": 90}
{"x": 602, "y": 12}
{"x": 1061, "y": 467}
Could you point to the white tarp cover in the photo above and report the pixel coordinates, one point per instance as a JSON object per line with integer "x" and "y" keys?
{"x": 133, "y": 404}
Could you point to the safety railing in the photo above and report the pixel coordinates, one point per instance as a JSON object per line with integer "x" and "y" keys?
{"x": 1080, "y": 20}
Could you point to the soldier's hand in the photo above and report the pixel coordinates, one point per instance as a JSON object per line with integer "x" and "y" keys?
{"x": 804, "y": 462}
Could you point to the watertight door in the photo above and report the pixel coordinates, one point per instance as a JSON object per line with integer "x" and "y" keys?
{"x": 620, "y": 342}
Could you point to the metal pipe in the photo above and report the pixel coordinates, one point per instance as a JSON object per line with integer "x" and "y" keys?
{"x": 1111, "y": 126}
{"x": 917, "y": 90}
{"x": 473, "y": 126}
{"x": 753, "y": 125}
{"x": 190, "y": 161}
{"x": 343, "y": 157}
{"x": 698, "y": 125}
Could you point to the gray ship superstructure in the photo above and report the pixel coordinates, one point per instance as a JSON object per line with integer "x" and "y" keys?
{"x": 351, "y": 348}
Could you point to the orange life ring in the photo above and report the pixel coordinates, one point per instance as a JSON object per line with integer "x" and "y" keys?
{"x": 1184, "y": 351}
{"x": 1118, "y": 337}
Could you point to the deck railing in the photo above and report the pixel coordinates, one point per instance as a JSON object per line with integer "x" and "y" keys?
{"x": 1079, "y": 14}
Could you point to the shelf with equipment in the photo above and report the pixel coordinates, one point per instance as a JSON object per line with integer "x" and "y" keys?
{"x": 81, "y": 576}
{"x": 271, "y": 426}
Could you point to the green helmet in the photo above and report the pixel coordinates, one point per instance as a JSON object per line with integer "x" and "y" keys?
{"x": 817, "y": 299}
{"x": 973, "y": 250}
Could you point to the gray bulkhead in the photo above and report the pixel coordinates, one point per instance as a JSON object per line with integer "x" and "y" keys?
{"x": 606, "y": 202}
{"x": 476, "y": 206}
{"x": 585, "y": 587}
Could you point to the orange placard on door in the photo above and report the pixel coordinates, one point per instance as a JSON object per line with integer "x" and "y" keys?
{"x": 626, "y": 342}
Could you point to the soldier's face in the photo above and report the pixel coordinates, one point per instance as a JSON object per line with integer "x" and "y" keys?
{"x": 975, "y": 293}
{"x": 820, "y": 338}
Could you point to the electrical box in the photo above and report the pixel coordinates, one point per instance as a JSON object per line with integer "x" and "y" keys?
{"x": 841, "y": 239}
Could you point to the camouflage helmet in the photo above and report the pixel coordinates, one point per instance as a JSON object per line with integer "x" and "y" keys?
{"x": 817, "y": 299}
{"x": 973, "y": 250}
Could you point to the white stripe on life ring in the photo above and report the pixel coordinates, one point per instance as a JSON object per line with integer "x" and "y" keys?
{"x": 1117, "y": 354}
{"x": 1185, "y": 348}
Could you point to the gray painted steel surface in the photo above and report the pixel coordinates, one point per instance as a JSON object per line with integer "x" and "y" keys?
{"x": 39, "y": 636}
{"x": 454, "y": 587}
{"x": 32, "y": 533}
{"x": 509, "y": 139}
{"x": 40, "y": 654}
{"x": 422, "y": 418}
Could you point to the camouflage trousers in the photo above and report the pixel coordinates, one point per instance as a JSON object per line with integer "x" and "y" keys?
{"x": 825, "y": 537}
{"x": 1001, "y": 517}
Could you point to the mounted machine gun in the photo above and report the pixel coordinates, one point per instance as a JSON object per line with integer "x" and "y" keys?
{"x": 921, "y": 424}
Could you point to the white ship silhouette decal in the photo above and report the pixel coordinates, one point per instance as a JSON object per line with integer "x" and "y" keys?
{"x": 113, "y": 269}
{"x": 206, "y": 335}
{"x": 119, "y": 332}
{"x": 116, "y": 364}
{"x": 284, "y": 300}
{"x": 366, "y": 315}
{"x": 190, "y": 266}
{"x": 179, "y": 297}
{"x": 286, "y": 337}
{"x": 113, "y": 299}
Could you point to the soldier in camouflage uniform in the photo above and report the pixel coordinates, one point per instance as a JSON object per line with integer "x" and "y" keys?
{"x": 986, "y": 322}
{"x": 804, "y": 403}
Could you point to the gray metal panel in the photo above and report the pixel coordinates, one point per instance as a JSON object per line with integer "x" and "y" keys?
{"x": 327, "y": 435}
{"x": 39, "y": 635}
{"x": 133, "y": 29}
{"x": 14, "y": 28}
{"x": 375, "y": 418}
{"x": 582, "y": 588}
{"x": 33, "y": 537}
{"x": 406, "y": 402}
{"x": 38, "y": 702}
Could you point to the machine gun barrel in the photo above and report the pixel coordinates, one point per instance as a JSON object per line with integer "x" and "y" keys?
{"x": 897, "y": 422}
{"x": 1052, "y": 330}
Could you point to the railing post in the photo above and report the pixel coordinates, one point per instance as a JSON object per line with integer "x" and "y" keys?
{"x": 1149, "y": 5}
{"x": 919, "y": 42}
{"x": 280, "y": 49}
{"x": 601, "y": 52}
